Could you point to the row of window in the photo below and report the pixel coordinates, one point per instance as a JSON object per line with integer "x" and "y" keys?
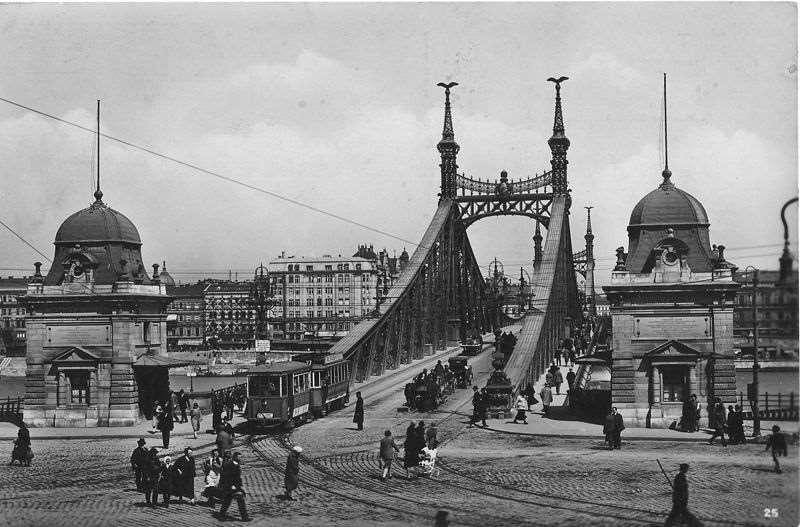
{"x": 295, "y": 268}
{"x": 12, "y": 311}
{"x": 188, "y": 333}
{"x": 335, "y": 326}
{"x": 8, "y": 298}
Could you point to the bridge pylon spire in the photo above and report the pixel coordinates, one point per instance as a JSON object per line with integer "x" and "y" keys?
{"x": 537, "y": 246}
{"x": 589, "y": 289}
{"x": 448, "y": 148}
{"x": 559, "y": 144}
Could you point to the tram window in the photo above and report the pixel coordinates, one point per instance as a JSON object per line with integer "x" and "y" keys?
{"x": 315, "y": 379}
{"x": 265, "y": 386}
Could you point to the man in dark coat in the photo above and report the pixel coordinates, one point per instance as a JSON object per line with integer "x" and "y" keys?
{"x": 483, "y": 406}
{"x": 151, "y": 469}
{"x": 619, "y": 426}
{"x": 224, "y": 440}
{"x": 719, "y": 424}
{"x": 358, "y": 416}
{"x": 138, "y": 460}
{"x": 230, "y": 486}
{"x": 165, "y": 424}
{"x": 291, "y": 477}
{"x": 731, "y": 425}
{"x": 608, "y": 429}
{"x": 476, "y": 402}
{"x": 680, "y": 515}
{"x": 166, "y": 480}
{"x": 183, "y": 403}
{"x": 570, "y": 379}
{"x": 185, "y": 472}
{"x": 22, "y": 446}
{"x": 777, "y": 442}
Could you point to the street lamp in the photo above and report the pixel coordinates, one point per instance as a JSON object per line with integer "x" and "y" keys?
{"x": 752, "y": 391}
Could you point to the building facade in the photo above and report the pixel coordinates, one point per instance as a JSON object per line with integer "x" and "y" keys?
{"x": 96, "y": 327}
{"x": 777, "y": 301}
{"x": 321, "y": 298}
{"x": 186, "y": 326}
{"x": 671, "y": 302}
{"x": 12, "y": 316}
{"x": 229, "y": 315}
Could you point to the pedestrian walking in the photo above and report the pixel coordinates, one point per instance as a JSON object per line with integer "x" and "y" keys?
{"x": 777, "y": 442}
{"x": 697, "y": 412}
{"x": 157, "y": 410}
{"x": 680, "y": 515}
{"x": 138, "y": 461}
{"x": 530, "y": 396}
{"x": 483, "y": 407}
{"x": 718, "y": 424}
{"x": 608, "y": 429}
{"x": 291, "y": 476}
{"x": 175, "y": 402}
{"x": 739, "y": 432}
{"x": 546, "y": 396}
{"x": 185, "y": 472}
{"x": 166, "y": 480}
{"x": 548, "y": 377}
{"x": 22, "y": 447}
{"x": 228, "y": 402}
{"x": 730, "y": 425}
{"x": 386, "y": 454}
{"x": 686, "y": 423}
{"x": 229, "y": 428}
{"x": 212, "y": 467}
{"x": 216, "y": 412}
{"x": 183, "y": 403}
{"x": 557, "y": 356}
{"x": 358, "y": 416}
{"x": 224, "y": 441}
{"x": 521, "y": 405}
{"x": 570, "y": 379}
{"x": 558, "y": 379}
{"x": 619, "y": 426}
{"x": 151, "y": 470}
{"x": 166, "y": 424}
{"x": 476, "y": 402}
{"x": 230, "y": 486}
{"x": 196, "y": 417}
{"x": 410, "y": 448}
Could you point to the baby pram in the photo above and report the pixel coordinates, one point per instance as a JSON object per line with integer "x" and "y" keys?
{"x": 427, "y": 463}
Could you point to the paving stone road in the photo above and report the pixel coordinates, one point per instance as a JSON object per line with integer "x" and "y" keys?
{"x": 488, "y": 478}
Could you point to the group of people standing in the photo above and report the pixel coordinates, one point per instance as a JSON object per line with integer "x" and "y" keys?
{"x": 612, "y": 429}
{"x": 420, "y": 447}
{"x": 156, "y": 476}
{"x": 732, "y": 424}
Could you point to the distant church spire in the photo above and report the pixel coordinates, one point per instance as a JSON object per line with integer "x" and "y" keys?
{"x": 559, "y": 144}
{"x": 666, "y": 174}
{"x": 448, "y": 148}
{"x": 98, "y": 194}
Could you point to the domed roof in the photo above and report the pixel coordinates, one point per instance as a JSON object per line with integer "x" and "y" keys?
{"x": 668, "y": 205}
{"x": 164, "y": 277}
{"x": 97, "y": 223}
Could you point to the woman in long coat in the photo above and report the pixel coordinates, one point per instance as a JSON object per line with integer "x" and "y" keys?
{"x": 410, "y": 448}
{"x": 292, "y": 475}
{"x": 22, "y": 446}
{"x": 151, "y": 470}
{"x": 358, "y": 415}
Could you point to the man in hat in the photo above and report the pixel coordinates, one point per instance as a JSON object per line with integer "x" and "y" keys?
{"x": 680, "y": 515}
{"x": 292, "y": 475}
{"x": 230, "y": 486}
{"x": 138, "y": 459}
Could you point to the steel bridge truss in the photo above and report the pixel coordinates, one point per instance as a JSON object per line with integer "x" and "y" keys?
{"x": 483, "y": 199}
{"x": 439, "y": 297}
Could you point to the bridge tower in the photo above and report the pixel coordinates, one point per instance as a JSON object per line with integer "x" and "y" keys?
{"x": 448, "y": 148}
{"x": 589, "y": 289}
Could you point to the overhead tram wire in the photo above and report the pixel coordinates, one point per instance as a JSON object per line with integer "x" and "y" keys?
{"x": 215, "y": 174}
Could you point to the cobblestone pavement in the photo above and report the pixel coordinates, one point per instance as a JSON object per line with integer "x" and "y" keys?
{"x": 488, "y": 478}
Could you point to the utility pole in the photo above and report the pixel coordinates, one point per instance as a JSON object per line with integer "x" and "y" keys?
{"x": 753, "y": 388}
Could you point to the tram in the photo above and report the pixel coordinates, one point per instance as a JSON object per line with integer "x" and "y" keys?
{"x": 278, "y": 394}
{"x": 330, "y": 383}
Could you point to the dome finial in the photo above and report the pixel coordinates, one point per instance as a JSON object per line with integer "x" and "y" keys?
{"x": 98, "y": 194}
{"x": 666, "y": 174}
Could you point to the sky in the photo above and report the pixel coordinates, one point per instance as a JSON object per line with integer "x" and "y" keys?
{"x": 336, "y": 105}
